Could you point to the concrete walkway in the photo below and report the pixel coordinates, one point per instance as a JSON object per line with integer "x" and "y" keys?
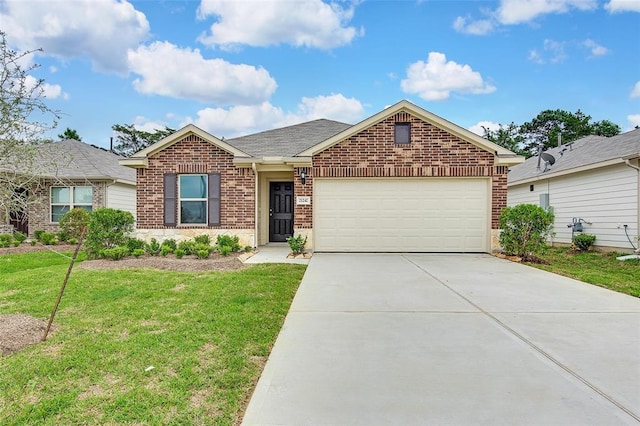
{"x": 378, "y": 339}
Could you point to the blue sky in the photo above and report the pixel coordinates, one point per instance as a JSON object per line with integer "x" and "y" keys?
{"x": 237, "y": 67}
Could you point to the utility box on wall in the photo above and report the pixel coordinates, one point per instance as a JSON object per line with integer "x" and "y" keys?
{"x": 544, "y": 201}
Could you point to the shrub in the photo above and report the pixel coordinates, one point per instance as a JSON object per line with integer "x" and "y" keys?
{"x": 135, "y": 244}
{"x": 72, "y": 241}
{"x": 137, "y": 252}
{"x": 180, "y": 253}
{"x": 248, "y": 249}
{"x": 202, "y": 254}
{"x": 115, "y": 253}
{"x": 583, "y": 242}
{"x": 231, "y": 241}
{"x": 224, "y": 250}
{"x": 199, "y": 246}
{"x": 63, "y": 236}
{"x": 203, "y": 239}
{"x": 296, "y": 244}
{"x": 37, "y": 234}
{"x": 187, "y": 246}
{"x": 525, "y": 229}
{"x": 73, "y": 222}
{"x": 107, "y": 228}
{"x": 48, "y": 238}
{"x": 32, "y": 243}
{"x": 153, "y": 247}
{"x": 171, "y": 243}
{"x": 19, "y": 236}
{"x": 16, "y": 243}
{"x": 5, "y": 240}
{"x": 165, "y": 250}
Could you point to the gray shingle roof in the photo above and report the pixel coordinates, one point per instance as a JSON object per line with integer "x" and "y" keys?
{"x": 589, "y": 150}
{"x": 288, "y": 141}
{"x": 71, "y": 159}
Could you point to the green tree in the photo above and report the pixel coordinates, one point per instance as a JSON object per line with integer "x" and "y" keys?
{"x": 70, "y": 134}
{"x": 543, "y": 129}
{"x": 107, "y": 228}
{"x": 506, "y": 136}
{"x": 130, "y": 140}
{"x": 24, "y": 117}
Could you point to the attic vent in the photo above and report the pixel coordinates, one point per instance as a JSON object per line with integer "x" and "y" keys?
{"x": 402, "y": 133}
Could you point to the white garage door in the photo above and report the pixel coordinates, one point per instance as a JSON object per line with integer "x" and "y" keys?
{"x": 401, "y": 215}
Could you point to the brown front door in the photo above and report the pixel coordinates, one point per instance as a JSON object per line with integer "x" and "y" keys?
{"x": 20, "y": 219}
{"x": 280, "y": 211}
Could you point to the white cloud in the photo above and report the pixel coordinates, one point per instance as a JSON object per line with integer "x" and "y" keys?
{"x": 168, "y": 70}
{"x": 634, "y": 120}
{"x": 145, "y": 124}
{"x": 435, "y": 79}
{"x": 247, "y": 119}
{"x": 511, "y": 12}
{"x": 514, "y": 12}
{"x": 635, "y": 92}
{"x": 595, "y": 48}
{"x": 471, "y": 26}
{"x": 49, "y": 91}
{"x": 480, "y": 127}
{"x": 100, "y": 30}
{"x": 616, "y": 6}
{"x": 552, "y": 52}
{"x": 310, "y": 23}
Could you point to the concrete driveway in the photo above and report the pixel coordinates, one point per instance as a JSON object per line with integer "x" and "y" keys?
{"x": 450, "y": 339}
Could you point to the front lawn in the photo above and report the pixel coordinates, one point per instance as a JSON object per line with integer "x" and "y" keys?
{"x": 602, "y": 269}
{"x": 140, "y": 346}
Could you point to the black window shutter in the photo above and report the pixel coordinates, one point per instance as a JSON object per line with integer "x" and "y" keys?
{"x": 214, "y": 199}
{"x": 170, "y": 209}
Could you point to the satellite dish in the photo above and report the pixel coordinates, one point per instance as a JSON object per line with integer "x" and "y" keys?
{"x": 548, "y": 158}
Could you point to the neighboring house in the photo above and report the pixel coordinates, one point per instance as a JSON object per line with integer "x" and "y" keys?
{"x": 594, "y": 181}
{"x": 403, "y": 180}
{"x": 75, "y": 174}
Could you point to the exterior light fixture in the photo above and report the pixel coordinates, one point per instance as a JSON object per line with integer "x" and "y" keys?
{"x": 303, "y": 177}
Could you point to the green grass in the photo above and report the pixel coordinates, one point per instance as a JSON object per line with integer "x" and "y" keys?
{"x": 206, "y": 335}
{"x": 602, "y": 269}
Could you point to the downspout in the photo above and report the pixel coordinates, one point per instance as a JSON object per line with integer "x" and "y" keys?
{"x": 255, "y": 202}
{"x": 633, "y": 166}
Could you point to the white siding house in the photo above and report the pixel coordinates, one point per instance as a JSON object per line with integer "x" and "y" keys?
{"x": 122, "y": 197}
{"x": 595, "y": 179}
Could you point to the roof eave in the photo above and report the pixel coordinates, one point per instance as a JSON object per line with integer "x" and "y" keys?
{"x": 509, "y": 160}
{"x": 544, "y": 176}
{"x": 135, "y": 162}
{"x": 273, "y": 161}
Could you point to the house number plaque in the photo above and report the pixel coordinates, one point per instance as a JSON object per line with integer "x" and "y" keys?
{"x": 303, "y": 201}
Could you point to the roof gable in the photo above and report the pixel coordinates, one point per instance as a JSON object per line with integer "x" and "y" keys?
{"x": 586, "y": 153}
{"x": 503, "y": 155}
{"x": 140, "y": 158}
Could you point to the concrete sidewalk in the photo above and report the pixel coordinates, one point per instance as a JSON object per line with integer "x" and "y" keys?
{"x": 450, "y": 339}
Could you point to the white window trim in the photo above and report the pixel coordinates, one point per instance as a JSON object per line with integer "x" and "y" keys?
{"x": 205, "y": 199}
{"x": 71, "y": 203}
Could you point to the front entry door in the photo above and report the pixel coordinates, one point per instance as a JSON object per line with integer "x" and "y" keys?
{"x": 280, "y": 211}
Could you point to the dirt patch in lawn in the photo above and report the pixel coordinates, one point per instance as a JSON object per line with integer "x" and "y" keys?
{"x": 18, "y": 331}
{"x": 168, "y": 263}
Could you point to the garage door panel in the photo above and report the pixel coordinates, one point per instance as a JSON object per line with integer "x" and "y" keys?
{"x": 401, "y": 215}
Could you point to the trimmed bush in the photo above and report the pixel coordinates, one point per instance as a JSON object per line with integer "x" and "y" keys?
{"x": 48, "y": 238}
{"x": 203, "y": 254}
{"x": 525, "y": 229}
{"x": 187, "y": 246}
{"x": 231, "y": 241}
{"x": 115, "y": 253}
{"x": 135, "y": 244}
{"x": 72, "y": 241}
{"x": 171, "y": 243}
{"x": 203, "y": 239}
{"x": 5, "y": 240}
{"x": 19, "y": 236}
{"x": 73, "y": 222}
{"x": 224, "y": 250}
{"x": 165, "y": 250}
{"x": 583, "y": 242}
{"x": 153, "y": 247}
{"x": 180, "y": 253}
{"x": 107, "y": 228}
{"x": 37, "y": 234}
{"x": 137, "y": 252}
{"x": 62, "y": 236}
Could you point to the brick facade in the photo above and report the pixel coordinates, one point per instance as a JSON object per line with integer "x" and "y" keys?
{"x": 303, "y": 215}
{"x": 432, "y": 152}
{"x": 194, "y": 155}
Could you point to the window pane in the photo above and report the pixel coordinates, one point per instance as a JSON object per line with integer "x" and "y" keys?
{"x": 83, "y": 194}
{"x": 59, "y": 195}
{"x": 193, "y": 212}
{"x": 57, "y": 212}
{"x": 86, "y": 208}
{"x": 193, "y": 186}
